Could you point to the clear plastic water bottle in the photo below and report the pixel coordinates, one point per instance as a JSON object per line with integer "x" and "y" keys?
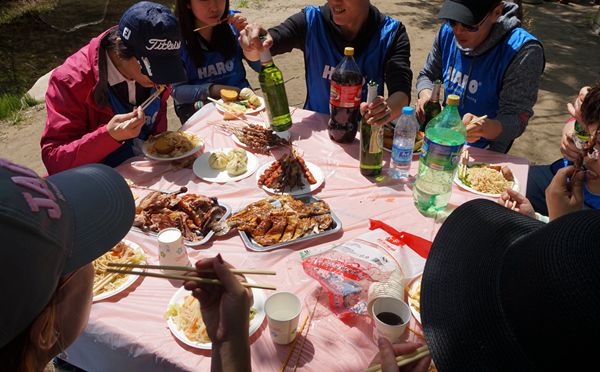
{"x": 404, "y": 141}
{"x": 444, "y": 139}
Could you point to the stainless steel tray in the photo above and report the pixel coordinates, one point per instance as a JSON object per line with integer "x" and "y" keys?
{"x": 254, "y": 246}
{"x": 188, "y": 242}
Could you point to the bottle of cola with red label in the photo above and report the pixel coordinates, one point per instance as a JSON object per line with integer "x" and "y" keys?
{"x": 344, "y": 99}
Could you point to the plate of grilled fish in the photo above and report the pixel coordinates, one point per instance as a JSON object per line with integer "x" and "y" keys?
{"x": 194, "y": 215}
{"x": 281, "y": 220}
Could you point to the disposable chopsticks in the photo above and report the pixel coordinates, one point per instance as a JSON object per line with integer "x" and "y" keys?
{"x": 108, "y": 278}
{"x": 188, "y": 278}
{"x": 225, "y": 108}
{"x": 513, "y": 204}
{"x": 405, "y": 359}
{"x": 190, "y": 269}
{"x": 478, "y": 120}
{"x": 144, "y": 105}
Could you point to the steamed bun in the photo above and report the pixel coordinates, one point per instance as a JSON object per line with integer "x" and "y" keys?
{"x": 235, "y": 167}
{"x": 218, "y": 160}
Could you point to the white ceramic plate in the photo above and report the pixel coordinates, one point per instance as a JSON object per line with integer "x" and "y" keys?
{"x": 248, "y": 111}
{"x": 130, "y": 278}
{"x": 194, "y": 150}
{"x": 205, "y": 172}
{"x": 305, "y": 189}
{"x": 411, "y": 302}
{"x": 259, "y": 316}
{"x": 460, "y": 184}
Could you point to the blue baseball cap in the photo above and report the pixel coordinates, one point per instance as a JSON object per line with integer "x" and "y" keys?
{"x": 51, "y": 227}
{"x": 152, "y": 31}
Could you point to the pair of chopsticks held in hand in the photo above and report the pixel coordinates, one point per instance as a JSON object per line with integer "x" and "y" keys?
{"x": 113, "y": 265}
{"x": 405, "y": 359}
{"x": 143, "y": 106}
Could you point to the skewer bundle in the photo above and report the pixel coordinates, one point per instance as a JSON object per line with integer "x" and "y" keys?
{"x": 255, "y": 137}
{"x": 287, "y": 173}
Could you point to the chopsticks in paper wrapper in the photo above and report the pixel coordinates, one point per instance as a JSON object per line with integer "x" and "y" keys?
{"x": 419, "y": 245}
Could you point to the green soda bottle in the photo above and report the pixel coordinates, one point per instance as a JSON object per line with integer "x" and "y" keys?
{"x": 371, "y": 141}
{"x": 444, "y": 139}
{"x": 271, "y": 83}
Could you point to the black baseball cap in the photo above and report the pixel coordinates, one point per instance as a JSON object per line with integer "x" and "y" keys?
{"x": 51, "y": 227}
{"x": 152, "y": 31}
{"x": 468, "y": 12}
{"x": 513, "y": 293}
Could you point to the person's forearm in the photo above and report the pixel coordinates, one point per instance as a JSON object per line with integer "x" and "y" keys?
{"x": 396, "y": 102}
{"x": 432, "y": 69}
{"x": 188, "y": 93}
{"x": 512, "y": 127}
{"x": 231, "y": 356}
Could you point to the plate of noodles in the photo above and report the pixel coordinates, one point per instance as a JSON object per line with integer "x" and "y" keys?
{"x": 486, "y": 179}
{"x": 414, "y": 297}
{"x": 109, "y": 284}
{"x": 185, "y": 319}
{"x": 172, "y": 145}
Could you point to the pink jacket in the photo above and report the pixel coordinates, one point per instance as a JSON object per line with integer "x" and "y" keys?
{"x": 75, "y": 132}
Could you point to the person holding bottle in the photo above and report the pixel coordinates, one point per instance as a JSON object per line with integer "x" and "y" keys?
{"x": 211, "y": 55}
{"x": 586, "y": 112}
{"x": 382, "y": 51}
{"x": 484, "y": 56}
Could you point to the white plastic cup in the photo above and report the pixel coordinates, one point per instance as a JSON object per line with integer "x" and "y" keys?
{"x": 283, "y": 312}
{"x": 171, "y": 250}
{"x": 393, "y": 331}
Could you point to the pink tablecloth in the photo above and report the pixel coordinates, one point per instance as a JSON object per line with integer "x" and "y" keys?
{"x": 128, "y": 332}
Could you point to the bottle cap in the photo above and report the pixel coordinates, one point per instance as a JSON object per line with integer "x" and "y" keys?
{"x": 407, "y": 110}
{"x": 348, "y": 51}
{"x": 453, "y": 100}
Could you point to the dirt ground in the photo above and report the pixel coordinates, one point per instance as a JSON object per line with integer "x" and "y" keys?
{"x": 572, "y": 54}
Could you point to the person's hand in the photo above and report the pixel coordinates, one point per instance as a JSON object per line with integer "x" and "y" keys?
{"x": 424, "y": 97}
{"x": 567, "y": 145}
{"x": 125, "y": 126}
{"x": 238, "y": 21}
{"x": 516, "y": 201}
{"x": 487, "y": 128}
{"x": 575, "y": 108}
{"x": 225, "y": 308}
{"x": 564, "y": 195}
{"x": 251, "y": 43}
{"x": 387, "y": 357}
{"x": 377, "y": 112}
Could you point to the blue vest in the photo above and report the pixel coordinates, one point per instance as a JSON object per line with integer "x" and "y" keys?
{"x": 478, "y": 80}
{"x": 215, "y": 68}
{"x": 592, "y": 200}
{"x": 126, "y": 150}
{"x": 321, "y": 57}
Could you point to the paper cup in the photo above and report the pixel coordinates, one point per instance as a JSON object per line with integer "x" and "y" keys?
{"x": 171, "y": 250}
{"x": 392, "y": 287}
{"x": 391, "y": 316}
{"x": 283, "y": 312}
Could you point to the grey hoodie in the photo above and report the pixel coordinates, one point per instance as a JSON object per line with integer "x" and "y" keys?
{"x": 519, "y": 86}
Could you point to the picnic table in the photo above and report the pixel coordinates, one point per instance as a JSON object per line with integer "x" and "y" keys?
{"x": 128, "y": 331}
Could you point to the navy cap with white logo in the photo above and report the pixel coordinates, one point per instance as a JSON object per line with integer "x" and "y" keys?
{"x": 51, "y": 227}
{"x": 153, "y": 33}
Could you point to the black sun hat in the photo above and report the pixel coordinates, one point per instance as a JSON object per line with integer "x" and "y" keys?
{"x": 512, "y": 294}
{"x": 468, "y": 12}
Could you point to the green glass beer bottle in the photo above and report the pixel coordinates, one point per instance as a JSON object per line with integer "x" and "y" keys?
{"x": 371, "y": 141}
{"x": 271, "y": 83}
{"x": 580, "y": 135}
{"x": 433, "y": 107}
